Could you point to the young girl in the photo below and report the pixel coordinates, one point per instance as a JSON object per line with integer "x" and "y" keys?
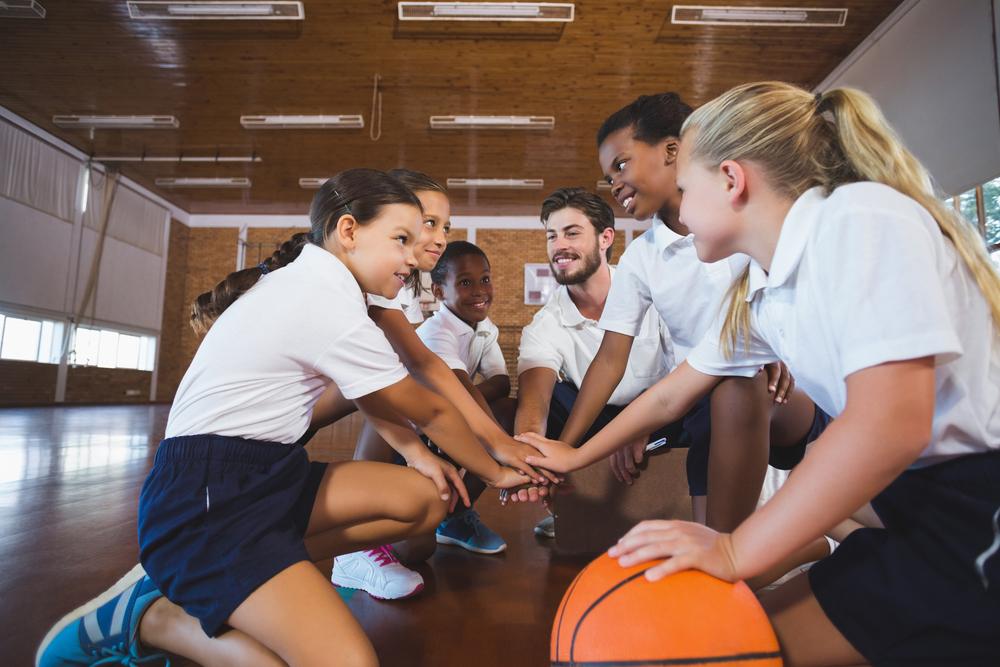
{"x": 233, "y": 513}
{"x": 637, "y": 147}
{"x": 378, "y": 571}
{"x": 884, "y": 305}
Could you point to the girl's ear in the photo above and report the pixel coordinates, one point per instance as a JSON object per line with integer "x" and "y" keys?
{"x": 345, "y": 231}
{"x": 437, "y": 291}
{"x": 735, "y": 179}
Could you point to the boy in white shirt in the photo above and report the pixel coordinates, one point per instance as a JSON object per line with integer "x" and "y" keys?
{"x": 465, "y": 339}
{"x": 561, "y": 341}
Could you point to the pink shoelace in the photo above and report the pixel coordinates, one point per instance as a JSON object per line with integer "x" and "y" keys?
{"x": 383, "y": 555}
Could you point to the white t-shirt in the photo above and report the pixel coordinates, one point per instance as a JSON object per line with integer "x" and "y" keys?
{"x": 406, "y": 301}
{"x": 267, "y": 359}
{"x": 461, "y": 347}
{"x": 563, "y": 340}
{"x": 862, "y": 278}
{"x": 662, "y": 269}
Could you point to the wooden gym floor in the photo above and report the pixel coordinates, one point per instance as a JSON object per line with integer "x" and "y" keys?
{"x": 69, "y": 486}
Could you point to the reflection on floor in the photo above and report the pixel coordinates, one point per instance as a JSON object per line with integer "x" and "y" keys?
{"x": 69, "y": 483}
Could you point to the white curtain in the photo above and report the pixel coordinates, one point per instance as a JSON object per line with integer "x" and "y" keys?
{"x": 36, "y": 174}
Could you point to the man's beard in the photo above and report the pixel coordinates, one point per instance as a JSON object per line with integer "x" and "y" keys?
{"x": 591, "y": 263}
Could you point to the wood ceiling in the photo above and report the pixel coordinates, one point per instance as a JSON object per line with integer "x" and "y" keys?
{"x": 90, "y": 58}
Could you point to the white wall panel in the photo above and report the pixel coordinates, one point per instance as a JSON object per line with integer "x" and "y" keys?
{"x": 34, "y": 256}
{"x": 934, "y": 74}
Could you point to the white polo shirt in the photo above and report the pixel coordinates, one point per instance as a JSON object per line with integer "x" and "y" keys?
{"x": 662, "y": 269}
{"x": 462, "y": 347}
{"x": 563, "y": 340}
{"x": 406, "y": 301}
{"x": 267, "y": 359}
{"x": 862, "y": 278}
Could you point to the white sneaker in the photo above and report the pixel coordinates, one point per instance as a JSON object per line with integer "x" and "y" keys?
{"x": 377, "y": 572}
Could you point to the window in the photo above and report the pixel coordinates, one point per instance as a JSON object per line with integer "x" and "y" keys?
{"x": 29, "y": 339}
{"x": 991, "y": 206}
{"x": 107, "y": 348}
{"x": 981, "y": 206}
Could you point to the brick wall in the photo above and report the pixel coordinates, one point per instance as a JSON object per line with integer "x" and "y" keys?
{"x": 89, "y": 384}
{"x": 27, "y": 382}
{"x": 30, "y": 383}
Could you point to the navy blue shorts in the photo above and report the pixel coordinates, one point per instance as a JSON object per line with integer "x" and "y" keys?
{"x": 786, "y": 458}
{"x": 220, "y": 516}
{"x": 564, "y": 396}
{"x": 924, "y": 590}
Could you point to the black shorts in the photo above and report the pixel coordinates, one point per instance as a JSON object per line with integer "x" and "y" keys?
{"x": 924, "y": 590}
{"x": 677, "y": 434}
{"x": 220, "y": 516}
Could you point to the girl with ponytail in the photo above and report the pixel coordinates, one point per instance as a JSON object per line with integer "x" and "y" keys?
{"x": 885, "y": 307}
{"x": 233, "y": 513}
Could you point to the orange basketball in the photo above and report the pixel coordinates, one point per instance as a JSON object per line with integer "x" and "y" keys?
{"x": 612, "y": 615}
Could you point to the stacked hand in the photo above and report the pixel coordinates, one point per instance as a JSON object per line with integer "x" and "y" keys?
{"x": 625, "y": 461}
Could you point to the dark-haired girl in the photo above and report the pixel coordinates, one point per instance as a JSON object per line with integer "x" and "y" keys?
{"x": 233, "y": 513}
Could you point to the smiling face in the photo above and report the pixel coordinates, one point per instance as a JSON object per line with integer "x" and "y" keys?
{"x": 467, "y": 289}
{"x": 574, "y": 248}
{"x": 379, "y": 253}
{"x": 434, "y": 233}
{"x": 706, "y": 207}
{"x": 642, "y": 175}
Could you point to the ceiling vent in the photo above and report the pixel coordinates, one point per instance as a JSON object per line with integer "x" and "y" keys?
{"x": 240, "y": 182}
{"x": 758, "y": 16}
{"x": 301, "y": 122}
{"x": 117, "y": 122}
{"x": 492, "y": 122}
{"x": 544, "y": 12}
{"x": 496, "y": 183}
{"x": 215, "y": 11}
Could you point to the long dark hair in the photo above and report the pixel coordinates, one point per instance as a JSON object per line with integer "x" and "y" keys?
{"x": 358, "y": 192}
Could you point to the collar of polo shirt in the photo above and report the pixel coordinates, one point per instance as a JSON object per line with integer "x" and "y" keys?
{"x": 666, "y": 238}
{"x": 569, "y": 315}
{"x": 795, "y": 230}
{"x": 460, "y": 326}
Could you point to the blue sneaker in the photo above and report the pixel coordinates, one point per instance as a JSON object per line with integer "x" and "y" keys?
{"x": 105, "y": 631}
{"x": 468, "y": 531}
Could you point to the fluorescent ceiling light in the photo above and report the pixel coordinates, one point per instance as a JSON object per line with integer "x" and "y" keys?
{"x": 603, "y": 185}
{"x": 496, "y": 183}
{"x": 203, "y": 182}
{"x": 301, "y": 122}
{"x": 117, "y": 122}
{"x": 226, "y": 10}
{"x": 561, "y": 12}
{"x": 492, "y": 122}
{"x": 21, "y": 9}
{"x": 312, "y": 183}
{"x": 215, "y": 159}
{"x": 759, "y": 16}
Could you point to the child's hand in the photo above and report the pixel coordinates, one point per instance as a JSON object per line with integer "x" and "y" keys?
{"x": 512, "y": 453}
{"x": 442, "y": 474}
{"x": 625, "y": 460}
{"x": 780, "y": 382}
{"x": 556, "y": 456}
{"x": 526, "y": 493}
{"x": 507, "y": 479}
{"x": 685, "y": 545}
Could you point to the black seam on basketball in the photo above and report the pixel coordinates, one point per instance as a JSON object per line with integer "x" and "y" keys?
{"x": 562, "y": 610}
{"x": 579, "y": 622}
{"x": 708, "y": 660}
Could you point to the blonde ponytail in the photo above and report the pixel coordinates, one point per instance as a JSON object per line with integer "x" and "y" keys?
{"x": 803, "y": 141}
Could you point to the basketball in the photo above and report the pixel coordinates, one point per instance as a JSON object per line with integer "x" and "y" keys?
{"x": 612, "y": 615}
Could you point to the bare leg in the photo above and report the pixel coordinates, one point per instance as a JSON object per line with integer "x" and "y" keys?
{"x": 737, "y": 457}
{"x": 168, "y": 627}
{"x": 301, "y": 618}
{"x": 813, "y": 551}
{"x": 699, "y": 508}
{"x": 806, "y": 635}
{"x": 349, "y": 513}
